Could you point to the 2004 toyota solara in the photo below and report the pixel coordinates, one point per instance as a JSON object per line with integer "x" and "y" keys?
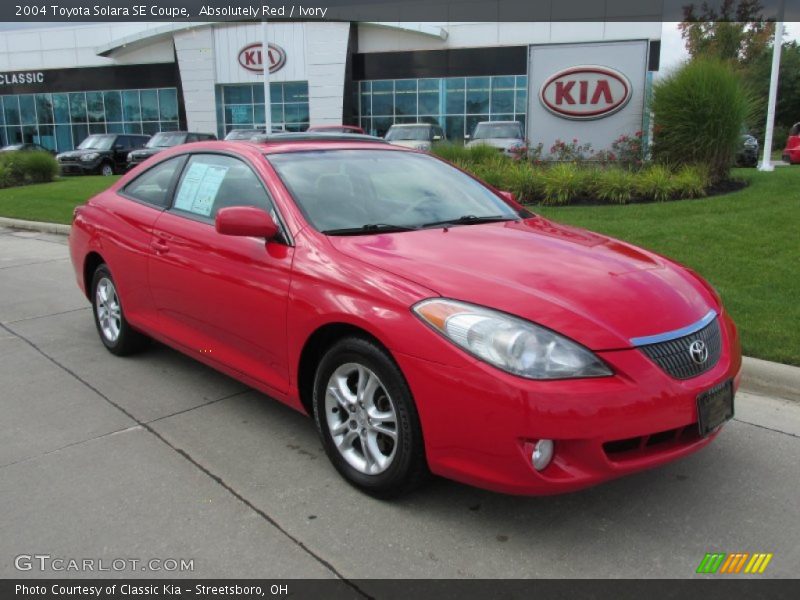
{"x": 428, "y": 322}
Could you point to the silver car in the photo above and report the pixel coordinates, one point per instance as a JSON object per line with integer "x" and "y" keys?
{"x": 418, "y": 136}
{"x": 506, "y": 136}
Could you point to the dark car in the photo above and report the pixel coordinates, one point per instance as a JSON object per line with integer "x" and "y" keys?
{"x": 162, "y": 141}
{"x": 101, "y": 153}
{"x": 747, "y": 155}
{"x": 26, "y": 147}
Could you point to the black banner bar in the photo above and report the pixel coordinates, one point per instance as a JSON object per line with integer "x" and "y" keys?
{"x": 709, "y": 588}
{"x": 177, "y": 11}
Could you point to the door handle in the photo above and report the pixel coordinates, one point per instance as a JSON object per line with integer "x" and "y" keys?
{"x": 160, "y": 247}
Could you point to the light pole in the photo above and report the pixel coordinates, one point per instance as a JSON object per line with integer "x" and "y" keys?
{"x": 265, "y": 64}
{"x": 766, "y": 161}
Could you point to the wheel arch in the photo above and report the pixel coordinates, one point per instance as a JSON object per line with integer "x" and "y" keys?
{"x": 90, "y": 263}
{"x": 315, "y": 347}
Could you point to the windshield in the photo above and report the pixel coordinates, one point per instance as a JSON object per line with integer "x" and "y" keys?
{"x": 351, "y": 189}
{"x": 418, "y": 134}
{"x": 97, "y": 142}
{"x": 485, "y": 131}
{"x": 166, "y": 140}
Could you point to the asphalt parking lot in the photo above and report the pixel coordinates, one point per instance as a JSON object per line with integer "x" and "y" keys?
{"x": 157, "y": 456}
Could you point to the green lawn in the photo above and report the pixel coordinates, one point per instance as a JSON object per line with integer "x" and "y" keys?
{"x": 747, "y": 244}
{"x": 51, "y": 202}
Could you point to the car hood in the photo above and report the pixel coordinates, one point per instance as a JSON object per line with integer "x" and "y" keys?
{"x": 596, "y": 290}
{"x": 142, "y": 152}
{"x": 78, "y": 153}
{"x": 410, "y": 143}
{"x": 503, "y": 143}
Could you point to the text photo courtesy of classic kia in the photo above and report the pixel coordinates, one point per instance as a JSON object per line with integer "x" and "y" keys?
{"x": 427, "y": 322}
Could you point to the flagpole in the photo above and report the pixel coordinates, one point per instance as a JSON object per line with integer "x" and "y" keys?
{"x": 265, "y": 64}
{"x": 766, "y": 162}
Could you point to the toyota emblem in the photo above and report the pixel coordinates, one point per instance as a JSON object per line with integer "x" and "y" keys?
{"x": 698, "y": 351}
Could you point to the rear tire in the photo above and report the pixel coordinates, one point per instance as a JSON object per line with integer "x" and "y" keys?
{"x": 109, "y": 317}
{"x": 367, "y": 419}
{"x": 107, "y": 169}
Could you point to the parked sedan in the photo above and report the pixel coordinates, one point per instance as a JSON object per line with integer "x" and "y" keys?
{"x": 426, "y": 321}
{"x": 163, "y": 140}
{"x": 26, "y": 147}
{"x": 417, "y": 136}
{"x": 505, "y": 136}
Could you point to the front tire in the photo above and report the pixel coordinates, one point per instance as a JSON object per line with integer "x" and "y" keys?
{"x": 106, "y": 169}
{"x": 367, "y": 419}
{"x": 115, "y": 332}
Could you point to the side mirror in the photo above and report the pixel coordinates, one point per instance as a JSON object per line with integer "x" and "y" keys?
{"x": 247, "y": 221}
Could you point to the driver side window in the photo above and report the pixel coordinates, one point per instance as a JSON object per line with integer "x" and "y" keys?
{"x": 211, "y": 182}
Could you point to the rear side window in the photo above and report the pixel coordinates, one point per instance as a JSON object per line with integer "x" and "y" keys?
{"x": 153, "y": 185}
{"x": 211, "y": 182}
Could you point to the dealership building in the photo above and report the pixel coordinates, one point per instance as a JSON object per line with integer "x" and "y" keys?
{"x": 587, "y": 81}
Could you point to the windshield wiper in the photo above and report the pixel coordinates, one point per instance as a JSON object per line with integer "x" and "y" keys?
{"x": 470, "y": 219}
{"x": 369, "y": 229}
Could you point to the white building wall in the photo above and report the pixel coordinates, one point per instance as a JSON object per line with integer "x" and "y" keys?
{"x": 195, "y": 51}
{"x": 326, "y": 56}
{"x": 374, "y": 38}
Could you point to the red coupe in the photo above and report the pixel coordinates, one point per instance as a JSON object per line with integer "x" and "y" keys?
{"x": 428, "y": 322}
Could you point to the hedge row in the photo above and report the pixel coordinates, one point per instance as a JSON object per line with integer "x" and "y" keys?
{"x": 573, "y": 183}
{"x": 20, "y": 168}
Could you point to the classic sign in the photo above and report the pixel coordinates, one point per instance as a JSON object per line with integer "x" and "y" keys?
{"x": 251, "y": 58}
{"x": 586, "y": 92}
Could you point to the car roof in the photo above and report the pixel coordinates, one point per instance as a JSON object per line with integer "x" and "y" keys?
{"x": 399, "y": 125}
{"x": 499, "y": 123}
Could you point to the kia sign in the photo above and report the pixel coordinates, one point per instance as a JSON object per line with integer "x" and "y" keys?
{"x": 251, "y": 58}
{"x": 586, "y": 92}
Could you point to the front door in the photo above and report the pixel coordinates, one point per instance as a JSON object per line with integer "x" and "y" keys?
{"x": 224, "y": 297}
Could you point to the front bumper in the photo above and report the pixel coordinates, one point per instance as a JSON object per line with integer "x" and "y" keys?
{"x": 792, "y": 156}
{"x": 480, "y": 424}
{"x": 79, "y": 167}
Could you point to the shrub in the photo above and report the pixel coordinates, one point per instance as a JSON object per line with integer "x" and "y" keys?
{"x": 614, "y": 185}
{"x": 691, "y": 181}
{"x": 562, "y": 182}
{"x": 700, "y": 109}
{"x": 39, "y": 167}
{"x": 570, "y": 152}
{"x": 628, "y": 150}
{"x": 5, "y": 176}
{"x": 654, "y": 183}
{"x": 526, "y": 182}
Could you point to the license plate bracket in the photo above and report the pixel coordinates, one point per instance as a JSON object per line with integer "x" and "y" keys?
{"x": 715, "y": 407}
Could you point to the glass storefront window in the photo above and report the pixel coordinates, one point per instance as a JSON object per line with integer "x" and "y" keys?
{"x": 455, "y": 103}
{"x": 61, "y": 121}
{"x": 242, "y": 106}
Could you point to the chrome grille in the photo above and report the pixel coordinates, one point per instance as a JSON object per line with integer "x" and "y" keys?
{"x": 673, "y": 355}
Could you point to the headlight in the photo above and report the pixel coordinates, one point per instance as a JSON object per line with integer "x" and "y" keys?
{"x": 751, "y": 143}
{"x": 130, "y": 156}
{"x": 89, "y": 157}
{"x": 510, "y": 343}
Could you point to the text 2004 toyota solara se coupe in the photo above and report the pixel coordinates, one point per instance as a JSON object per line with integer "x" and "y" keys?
{"x": 427, "y": 322}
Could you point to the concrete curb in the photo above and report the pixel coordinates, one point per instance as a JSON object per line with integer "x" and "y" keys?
{"x": 758, "y": 376}
{"x": 770, "y": 379}
{"x": 35, "y": 226}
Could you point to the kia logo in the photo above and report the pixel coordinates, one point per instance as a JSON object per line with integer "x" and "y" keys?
{"x": 586, "y": 92}
{"x": 251, "y": 58}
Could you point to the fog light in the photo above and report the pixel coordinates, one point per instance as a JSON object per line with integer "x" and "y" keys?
{"x": 542, "y": 454}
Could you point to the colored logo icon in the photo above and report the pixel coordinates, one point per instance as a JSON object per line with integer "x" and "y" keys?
{"x": 738, "y": 562}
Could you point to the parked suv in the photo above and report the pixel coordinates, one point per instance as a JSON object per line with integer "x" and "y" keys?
{"x": 747, "y": 155}
{"x": 791, "y": 154}
{"x": 506, "y": 136}
{"x": 418, "y": 136}
{"x": 100, "y": 153}
{"x": 162, "y": 141}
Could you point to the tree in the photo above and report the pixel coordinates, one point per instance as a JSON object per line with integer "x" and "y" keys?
{"x": 737, "y": 32}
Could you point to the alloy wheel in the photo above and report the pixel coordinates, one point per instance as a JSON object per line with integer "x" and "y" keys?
{"x": 109, "y": 315}
{"x": 361, "y": 418}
